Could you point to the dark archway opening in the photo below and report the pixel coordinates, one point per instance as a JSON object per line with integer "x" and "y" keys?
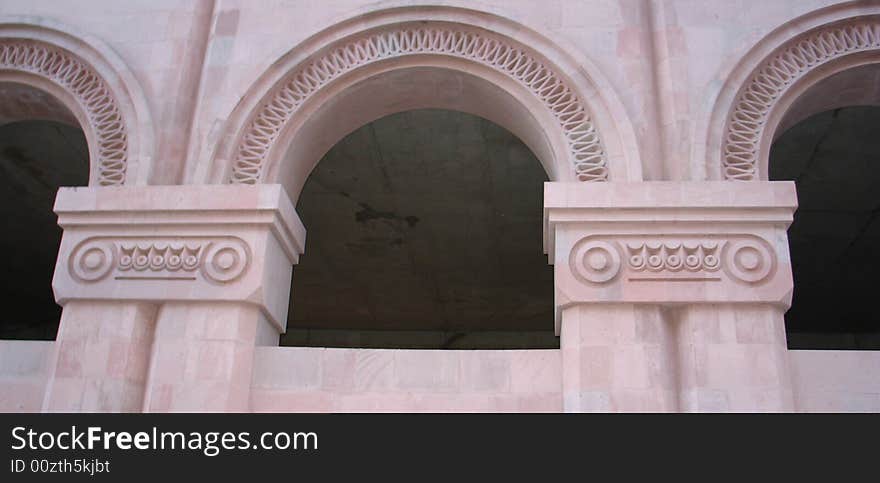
{"x": 834, "y": 159}
{"x": 424, "y": 231}
{"x": 36, "y": 158}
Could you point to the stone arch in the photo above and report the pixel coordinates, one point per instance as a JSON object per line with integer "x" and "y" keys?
{"x": 771, "y": 79}
{"x": 86, "y": 78}
{"x": 525, "y": 72}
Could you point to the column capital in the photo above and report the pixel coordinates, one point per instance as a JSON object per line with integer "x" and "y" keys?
{"x": 183, "y": 243}
{"x": 669, "y": 242}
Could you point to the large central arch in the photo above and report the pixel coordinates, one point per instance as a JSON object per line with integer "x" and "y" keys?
{"x": 503, "y": 71}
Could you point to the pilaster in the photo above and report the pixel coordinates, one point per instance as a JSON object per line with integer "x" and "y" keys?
{"x": 194, "y": 277}
{"x": 660, "y": 277}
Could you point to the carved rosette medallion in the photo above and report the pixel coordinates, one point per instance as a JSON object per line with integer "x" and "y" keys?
{"x": 224, "y": 262}
{"x": 749, "y": 260}
{"x": 92, "y": 262}
{"x": 595, "y": 261}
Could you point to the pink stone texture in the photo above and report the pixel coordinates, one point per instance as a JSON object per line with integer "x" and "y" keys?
{"x": 653, "y": 120}
{"x": 387, "y": 380}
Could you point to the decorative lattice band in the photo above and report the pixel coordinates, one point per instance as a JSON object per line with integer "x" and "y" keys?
{"x": 585, "y": 145}
{"x": 746, "y": 124}
{"x": 86, "y": 86}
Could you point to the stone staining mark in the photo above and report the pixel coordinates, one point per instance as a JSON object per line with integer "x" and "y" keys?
{"x": 376, "y": 245}
{"x": 21, "y": 161}
{"x": 367, "y": 213}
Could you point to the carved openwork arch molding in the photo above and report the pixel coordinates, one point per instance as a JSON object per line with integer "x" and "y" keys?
{"x": 94, "y": 85}
{"x": 329, "y": 56}
{"x": 779, "y": 78}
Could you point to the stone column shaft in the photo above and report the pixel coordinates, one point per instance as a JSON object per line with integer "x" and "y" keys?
{"x": 617, "y": 358}
{"x": 203, "y": 355}
{"x": 101, "y": 356}
{"x": 733, "y": 358}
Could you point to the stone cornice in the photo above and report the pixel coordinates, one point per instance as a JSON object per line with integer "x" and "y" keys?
{"x": 147, "y": 206}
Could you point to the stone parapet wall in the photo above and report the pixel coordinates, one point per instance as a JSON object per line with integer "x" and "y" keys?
{"x": 342, "y": 380}
{"x": 836, "y": 381}
{"x": 366, "y": 380}
{"x": 23, "y": 372}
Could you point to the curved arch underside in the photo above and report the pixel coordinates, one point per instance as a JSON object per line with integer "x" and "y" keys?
{"x": 21, "y": 102}
{"x": 399, "y": 89}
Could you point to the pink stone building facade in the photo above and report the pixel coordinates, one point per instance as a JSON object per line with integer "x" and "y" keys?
{"x": 653, "y": 120}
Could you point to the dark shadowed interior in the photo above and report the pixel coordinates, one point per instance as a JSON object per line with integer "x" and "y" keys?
{"x": 424, "y": 231}
{"x": 834, "y": 159}
{"x": 36, "y": 157}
